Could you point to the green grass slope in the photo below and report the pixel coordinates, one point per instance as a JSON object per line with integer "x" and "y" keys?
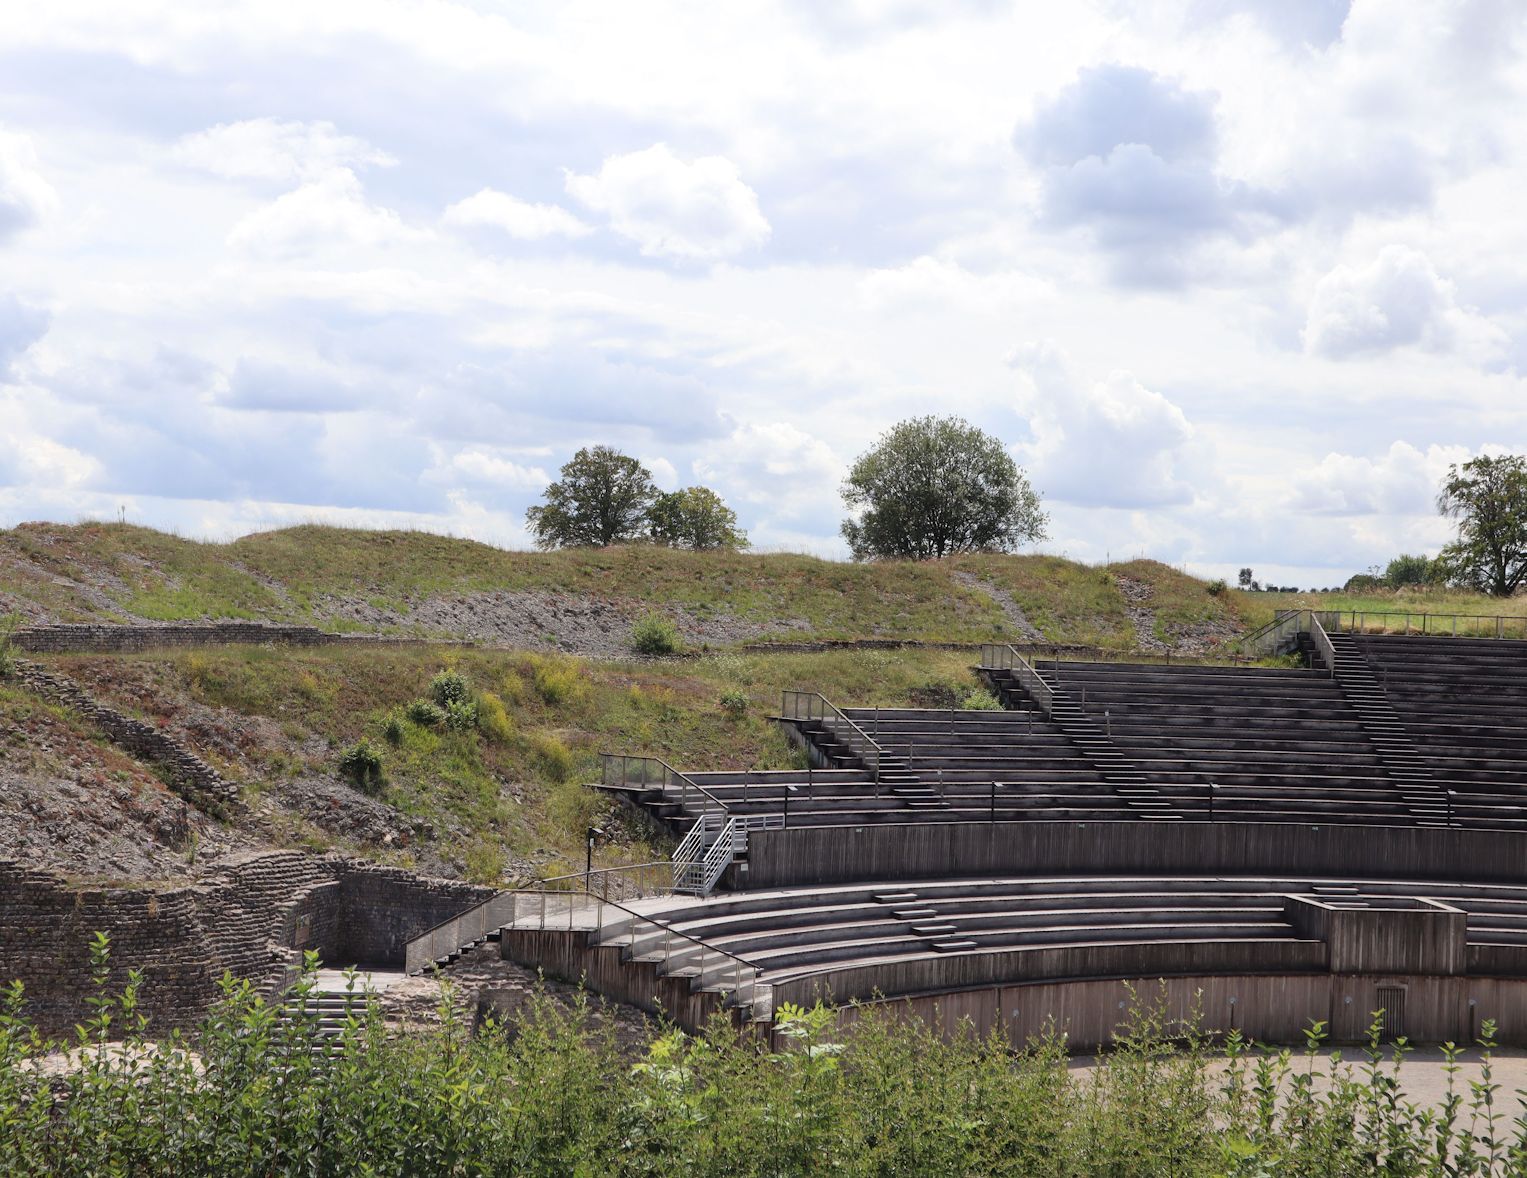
{"x": 392, "y": 581}
{"x": 511, "y": 792}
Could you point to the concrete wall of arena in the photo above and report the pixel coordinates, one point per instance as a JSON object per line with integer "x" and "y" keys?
{"x": 1270, "y": 1008}
{"x": 822, "y": 855}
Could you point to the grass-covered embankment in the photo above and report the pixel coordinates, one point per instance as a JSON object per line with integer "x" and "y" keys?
{"x": 511, "y": 787}
{"x": 398, "y": 582}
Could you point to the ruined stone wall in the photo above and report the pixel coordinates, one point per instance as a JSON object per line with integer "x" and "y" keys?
{"x": 252, "y": 918}
{"x": 186, "y": 773}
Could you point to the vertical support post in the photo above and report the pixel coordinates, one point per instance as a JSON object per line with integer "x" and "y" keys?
{"x": 1108, "y": 723}
{"x": 811, "y": 787}
{"x": 785, "y": 820}
{"x": 1212, "y": 788}
{"x": 994, "y": 801}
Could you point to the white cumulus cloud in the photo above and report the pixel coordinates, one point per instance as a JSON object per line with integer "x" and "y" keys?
{"x": 270, "y": 149}
{"x": 518, "y": 218}
{"x": 1110, "y": 443}
{"x": 330, "y": 210}
{"x": 1402, "y": 481}
{"x": 25, "y": 194}
{"x": 1397, "y": 300}
{"x": 698, "y": 211}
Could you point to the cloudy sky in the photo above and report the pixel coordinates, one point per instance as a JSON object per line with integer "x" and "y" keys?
{"x": 1235, "y": 279}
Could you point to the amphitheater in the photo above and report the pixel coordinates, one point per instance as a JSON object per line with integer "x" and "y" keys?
{"x": 1335, "y": 835}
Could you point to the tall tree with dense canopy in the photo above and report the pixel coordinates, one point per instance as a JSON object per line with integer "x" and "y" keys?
{"x": 934, "y": 486}
{"x": 695, "y": 517}
{"x": 1487, "y": 498}
{"x": 602, "y": 498}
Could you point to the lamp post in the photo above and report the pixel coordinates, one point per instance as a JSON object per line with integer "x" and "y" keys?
{"x": 590, "y": 835}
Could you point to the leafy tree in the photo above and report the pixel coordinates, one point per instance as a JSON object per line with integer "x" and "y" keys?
{"x": 1244, "y": 578}
{"x": 933, "y": 486}
{"x": 1487, "y": 498}
{"x": 694, "y": 517}
{"x": 1405, "y": 570}
{"x": 602, "y": 498}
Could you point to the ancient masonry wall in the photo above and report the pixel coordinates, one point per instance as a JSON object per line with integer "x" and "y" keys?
{"x": 186, "y": 773}
{"x": 252, "y": 919}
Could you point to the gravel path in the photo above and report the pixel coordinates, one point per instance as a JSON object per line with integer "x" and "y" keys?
{"x": 1005, "y": 602}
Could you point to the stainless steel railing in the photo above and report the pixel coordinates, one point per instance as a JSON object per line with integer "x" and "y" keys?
{"x": 811, "y": 705}
{"x": 1005, "y": 657}
{"x": 466, "y": 928}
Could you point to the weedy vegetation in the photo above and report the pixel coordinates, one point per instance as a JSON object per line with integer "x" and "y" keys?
{"x": 248, "y": 1093}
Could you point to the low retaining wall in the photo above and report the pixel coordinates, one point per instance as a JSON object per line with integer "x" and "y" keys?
{"x": 1269, "y": 1008}
{"x": 939, "y": 850}
{"x": 568, "y": 956}
{"x": 87, "y": 638}
{"x": 252, "y": 918}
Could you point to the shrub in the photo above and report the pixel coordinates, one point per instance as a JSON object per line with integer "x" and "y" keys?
{"x": 654, "y": 635}
{"x": 449, "y": 687}
{"x": 493, "y": 718}
{"x": 392, "y": 730}
{"x": 555, "y": 682}
{"x": 981, "y": 700}
{"x": 1217, "y": 587}
{"x": 362, "y": 767}
{"x": 8, "y": 625}
{"x": 425, "y": 713}
{"x": 554, "y": 758}
{"x": 461, "y": 715}
{"x": 734, "y": 703}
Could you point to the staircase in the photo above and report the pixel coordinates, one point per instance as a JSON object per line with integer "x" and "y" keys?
{"x": 319, "y": 1017}
{"x": 1114, "y": 767}
{"x": 1397, "y": 752}
{"x": 843, "y": 744}
{"x": 923, "y": 921}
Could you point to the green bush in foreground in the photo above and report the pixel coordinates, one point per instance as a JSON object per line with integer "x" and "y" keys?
{"x": 245, "y": 1094}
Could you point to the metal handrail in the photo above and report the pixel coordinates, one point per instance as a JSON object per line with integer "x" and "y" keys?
{"x": 1270, "y": 638}
{"x": 474, "y": 924}
{"x": 817, "y": 707}
{"x": 1496, "y": 623}
{"x": 703, "y": 869}
{"x": 1006, "y": 657}
{"x": 667, "y": 778}
{"x": 1371, "y": 621}
{"x": 669, "y": 933}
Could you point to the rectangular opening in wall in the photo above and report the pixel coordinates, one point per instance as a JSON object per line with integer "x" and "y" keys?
{"x": 1391, "y": 999}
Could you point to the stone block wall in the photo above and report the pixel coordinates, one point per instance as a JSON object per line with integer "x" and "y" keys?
{"x": 252, "y": 918}
{"x": 187, "y": 774}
